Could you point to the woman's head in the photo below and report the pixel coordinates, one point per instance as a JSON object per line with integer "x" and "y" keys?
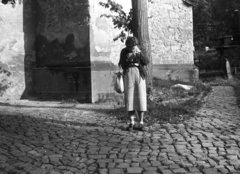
{"x": 131, "y": 41}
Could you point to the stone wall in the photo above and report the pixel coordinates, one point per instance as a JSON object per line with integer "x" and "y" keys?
{"x": 171, "y": 34}
{"x": 17, "y": 53}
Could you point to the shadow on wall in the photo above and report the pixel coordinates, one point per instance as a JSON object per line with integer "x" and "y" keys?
{"x": 62, "y": 70}
{"x": 56, "y": 43}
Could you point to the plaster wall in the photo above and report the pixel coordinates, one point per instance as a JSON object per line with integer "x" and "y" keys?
{"x": 104, "y": 52}
{"x": 62, "y": 32}
{"x": 17, "y": 54}
{"x": 102, "y": 32}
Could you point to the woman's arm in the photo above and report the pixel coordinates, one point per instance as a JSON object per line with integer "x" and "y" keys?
{"x": 143, "y": 59}
{"x": 122, "y": 62}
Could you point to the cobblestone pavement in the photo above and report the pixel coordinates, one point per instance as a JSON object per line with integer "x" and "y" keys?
{"x": 86, "y": 139}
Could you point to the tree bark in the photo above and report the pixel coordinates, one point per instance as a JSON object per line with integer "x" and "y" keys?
{"x": 140, "y": 30}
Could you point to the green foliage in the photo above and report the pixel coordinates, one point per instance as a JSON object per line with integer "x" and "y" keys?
{"x": 209, "y": 61}
{"x": 120, "y": 19}
{"x": 13, "y": 2}
{"x": 212, "y": 19}
{"x": 4, "y": 80}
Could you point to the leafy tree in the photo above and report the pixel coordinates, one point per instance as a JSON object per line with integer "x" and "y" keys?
{"x": 13, "y": 2}
{"x": 222, "y": 16}
{"x": 202, "y": 22}
{"x": 212, "y": 19}
{"x": 120, "y": 19}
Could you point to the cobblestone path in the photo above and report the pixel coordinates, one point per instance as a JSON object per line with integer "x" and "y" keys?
{"x": 85, "y": 139}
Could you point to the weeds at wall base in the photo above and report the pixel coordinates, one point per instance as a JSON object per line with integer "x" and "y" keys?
{"x": 166, "y": 105}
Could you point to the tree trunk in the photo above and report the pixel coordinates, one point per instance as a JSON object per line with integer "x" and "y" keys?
{"x": 140, "y": 30}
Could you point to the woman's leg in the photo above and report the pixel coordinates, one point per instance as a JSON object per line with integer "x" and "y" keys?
{"x": 141, "y": 115}
{"x": 141, "y": 125}
{"x": 131, "y": 117}
{"x": 132, "y": 120}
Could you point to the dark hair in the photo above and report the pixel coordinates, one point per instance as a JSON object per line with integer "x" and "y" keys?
{"x": 131, "y": 41}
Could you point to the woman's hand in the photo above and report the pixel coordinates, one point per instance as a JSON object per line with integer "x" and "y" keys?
{"x": 130, "y": 55}
{"x": 136, "y": 50}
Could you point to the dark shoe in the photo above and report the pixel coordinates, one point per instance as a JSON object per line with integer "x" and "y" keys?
{"x": 130, "y": 127}
{"x": 142, "y": 127}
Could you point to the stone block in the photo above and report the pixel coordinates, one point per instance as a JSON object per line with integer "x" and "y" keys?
{"x": 134, "y": 170}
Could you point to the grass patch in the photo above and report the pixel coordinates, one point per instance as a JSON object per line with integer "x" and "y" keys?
{"x": 237, "y": 94}
{"x": 218, "y": 81}
{"x": 170, "y": 105}
{"x": 171, "y": 112}
{"x": 235, "y": 83}
{"x": 237, "y": 89}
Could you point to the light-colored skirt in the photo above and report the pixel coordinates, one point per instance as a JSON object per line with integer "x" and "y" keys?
{"x": 135, "y": 90}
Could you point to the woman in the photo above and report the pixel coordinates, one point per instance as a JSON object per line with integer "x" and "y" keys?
{"x": 132, "y": 62}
